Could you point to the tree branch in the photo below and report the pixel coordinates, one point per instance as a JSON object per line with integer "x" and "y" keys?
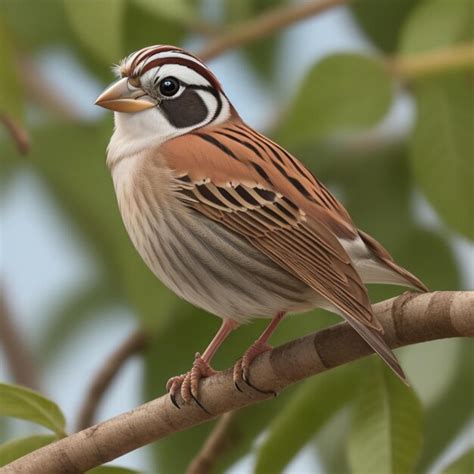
{"x": 102, "y": 380}
{"x": 406, "y": 319}
{"x": 218, "y": 441}
{"x": 19, "y": 134}
{"x": 409, "y": 67}
{"x": 264, "y": 25}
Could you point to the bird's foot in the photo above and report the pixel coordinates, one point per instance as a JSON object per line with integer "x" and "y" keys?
{"x": 242, "y": 366}
{"x": 188, "y": 384}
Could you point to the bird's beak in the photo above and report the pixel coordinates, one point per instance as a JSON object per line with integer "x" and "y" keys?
{"x": 120, "y": 98}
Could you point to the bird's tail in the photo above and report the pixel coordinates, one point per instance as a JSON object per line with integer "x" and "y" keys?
{"x": 374, "y": 338}
{"x": 389, "y": 271}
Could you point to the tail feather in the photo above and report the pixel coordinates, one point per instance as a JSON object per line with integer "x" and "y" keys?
{"x": 375, "y": 340}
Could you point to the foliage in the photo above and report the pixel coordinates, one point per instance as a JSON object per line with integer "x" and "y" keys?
{"x": 20, "y": 402}
{"x": 353, "y": 91}
{"x": 385, "y": 435}
{"x": 463, "y": 465}
{"x": 16, "y": 448}
{"x": 359, "y": 417}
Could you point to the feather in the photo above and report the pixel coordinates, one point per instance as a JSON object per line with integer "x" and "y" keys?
{"x": 300, "y": 228}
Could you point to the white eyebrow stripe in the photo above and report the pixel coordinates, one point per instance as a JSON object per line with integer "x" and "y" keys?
{"x": 184, "y": 73}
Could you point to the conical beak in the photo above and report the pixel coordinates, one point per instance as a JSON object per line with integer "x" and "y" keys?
{"x": 120, "y": 98}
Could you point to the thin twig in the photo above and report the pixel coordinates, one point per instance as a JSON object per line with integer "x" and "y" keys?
{"x": 409, "y": 67}
{"x": 102, "y": 380}
{"x": 264, "y": 25}
{"x": 19, "y": 135}
{"x": 18, "y": 357}
{"x": 42, "y": 92}
{"x": 406, "y": 319}
{"x": 218, "y": 441}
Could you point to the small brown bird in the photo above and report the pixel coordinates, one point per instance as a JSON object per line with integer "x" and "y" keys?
{"x": 228, "y": 219}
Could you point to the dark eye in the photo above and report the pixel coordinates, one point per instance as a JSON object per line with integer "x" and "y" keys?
{"x": 169, "y": 86}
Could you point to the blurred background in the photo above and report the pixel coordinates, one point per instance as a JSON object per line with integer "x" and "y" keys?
{"x": 375, "y": 96}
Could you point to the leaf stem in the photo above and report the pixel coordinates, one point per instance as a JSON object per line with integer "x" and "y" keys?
{"x": 412, "y": 67}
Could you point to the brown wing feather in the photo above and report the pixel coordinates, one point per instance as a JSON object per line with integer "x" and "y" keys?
{"x": 281, "y": 208}
{"x": 292, "y": 228}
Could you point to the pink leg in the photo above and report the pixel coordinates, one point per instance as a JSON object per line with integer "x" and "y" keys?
{"x": 241, "y": 368}
{"x": 188, "y": 384}
{"x": 226, "y": 328}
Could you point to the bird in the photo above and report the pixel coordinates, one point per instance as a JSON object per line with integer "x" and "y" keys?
{"x": 228, "y": 219}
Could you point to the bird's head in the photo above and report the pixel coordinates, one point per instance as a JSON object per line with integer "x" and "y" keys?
{"x": 164, "y": 91}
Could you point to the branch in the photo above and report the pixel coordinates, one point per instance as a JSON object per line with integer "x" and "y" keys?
{"x": 41, "y": 92}
{"x": 133, "y": 344}
{"x": 17, "y": 132}
{"x": 407, "y": 319}
{"x": 218, "y": 441}
{"x": 413, "y": 66}
{"x": 264, "y": 25}
{"x": 17, "y": 355}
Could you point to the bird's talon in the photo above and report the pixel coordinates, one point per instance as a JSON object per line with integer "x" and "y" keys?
{"x": 200, "y": 405}
{"x": 174, "y": 402}
{"x": 188, "y": 384}
{"x": 242, "y": 366}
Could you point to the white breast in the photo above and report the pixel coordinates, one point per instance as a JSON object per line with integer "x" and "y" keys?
{"x": 144, "y": 224}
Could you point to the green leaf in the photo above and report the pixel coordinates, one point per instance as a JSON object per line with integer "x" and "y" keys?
{"x": 382, "y": 20}
{"x": 437, "y": 24}
{"x": 463, "y": 465}
{"x": 342, "y": 93}
{"x": 313, "y": 404}
{"x": 21, "y": 402}
{"x": 448, "y": 416}
{"x": 36, "y": 24}
{"x": 98, "y": 25}
{"x": 141, "y": 27}
{"x": 330, "y": 444}
{"x": 11, "y": 94}
{"x": 112, "y": 470}
{"x": 442, "y": 154}
{"x": 385, "y": 436}
{"x": 381, "y": 178}
{"x": 17, "y": 448}
{"x": 178, "y": 10}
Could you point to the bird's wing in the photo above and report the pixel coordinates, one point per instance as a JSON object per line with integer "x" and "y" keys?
{"x": 244, "y": 181}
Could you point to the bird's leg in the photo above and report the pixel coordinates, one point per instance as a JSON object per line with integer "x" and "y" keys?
{"x": 241, "y": 368}
{"x": 188, "y": 384}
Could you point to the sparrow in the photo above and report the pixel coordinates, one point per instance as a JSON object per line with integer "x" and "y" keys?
{"x": 228, "y": 219}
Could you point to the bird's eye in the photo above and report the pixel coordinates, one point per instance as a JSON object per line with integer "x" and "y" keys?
{"x": 169, "y": 86}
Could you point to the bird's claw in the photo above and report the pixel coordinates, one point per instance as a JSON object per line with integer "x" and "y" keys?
{"x": 187, "y": 385}
{"x": 242, "y": 366}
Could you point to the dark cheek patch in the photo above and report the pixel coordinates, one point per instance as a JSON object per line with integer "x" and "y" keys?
{"x": 186, "y": 110}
